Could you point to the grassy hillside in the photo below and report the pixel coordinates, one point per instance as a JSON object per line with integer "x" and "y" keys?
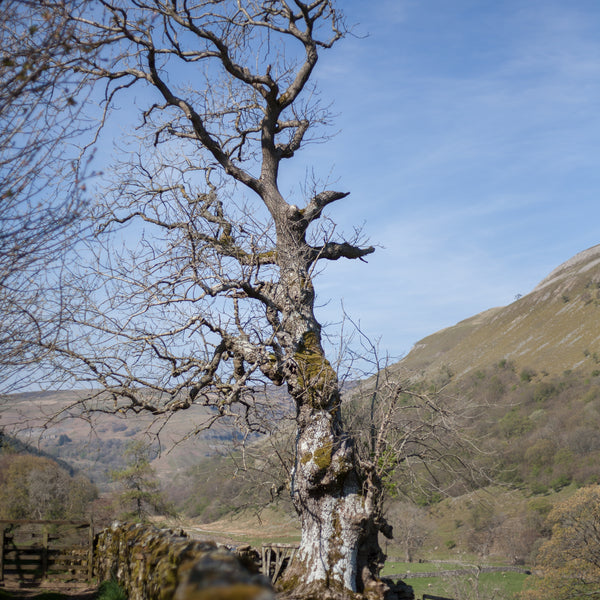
{"x": 539, "y": 431}
{"x": 96, "y": 446}
{"x": 554, "y": 328}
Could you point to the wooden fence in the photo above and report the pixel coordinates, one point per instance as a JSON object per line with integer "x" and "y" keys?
{"x": 275, "y": 558}
{"x": 32, "y": 551}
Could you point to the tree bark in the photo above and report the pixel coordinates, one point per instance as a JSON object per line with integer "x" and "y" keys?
{"x": 339, "y": 553}
{"x": 339, "y": 550}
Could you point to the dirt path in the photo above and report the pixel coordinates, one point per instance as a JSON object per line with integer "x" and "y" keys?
{"x": 72, "y": 592}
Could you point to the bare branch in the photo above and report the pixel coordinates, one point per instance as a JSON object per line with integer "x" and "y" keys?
{"x": 335, "y": 251}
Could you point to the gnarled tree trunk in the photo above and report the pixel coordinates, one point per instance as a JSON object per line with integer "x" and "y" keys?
{"x": 337, "y": 501}
{"x": 339, "y": 549}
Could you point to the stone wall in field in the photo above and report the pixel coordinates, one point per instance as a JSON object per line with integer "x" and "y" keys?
{"x": 159, "y": 564}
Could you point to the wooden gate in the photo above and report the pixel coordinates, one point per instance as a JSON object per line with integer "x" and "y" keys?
{"x": 32, "y": 551}
{"x": 275, "y": 558}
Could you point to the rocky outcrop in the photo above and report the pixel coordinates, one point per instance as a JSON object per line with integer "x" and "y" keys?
{"x": 160, "y": 564}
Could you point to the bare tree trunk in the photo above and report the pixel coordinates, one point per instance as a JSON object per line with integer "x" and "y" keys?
{"x": 339, "y": 549}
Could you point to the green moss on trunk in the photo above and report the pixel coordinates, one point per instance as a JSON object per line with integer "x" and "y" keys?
{"x": 322, "y": 456}
{"x": 316, "y": 378}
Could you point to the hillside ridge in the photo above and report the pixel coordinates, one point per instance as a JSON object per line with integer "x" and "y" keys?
{"x": 591, "y": 258}
{"x": 554, "y": 328}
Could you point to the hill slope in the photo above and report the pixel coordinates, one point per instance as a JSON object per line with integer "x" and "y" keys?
{"x": 96, "y": 446}
{"x": 554, "y": 328}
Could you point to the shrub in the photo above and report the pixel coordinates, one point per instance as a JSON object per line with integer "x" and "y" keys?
{"x": 527, "y": 375}
{"x": 538, "y": 488}
{"x": 543, "y": 391}
{"x": 540, "y": 453}
{"x": 560, "y": 482}
{"x": 111, "y": 590}
{"x": 514, "y": 424}
{"x": 583, "y": 440}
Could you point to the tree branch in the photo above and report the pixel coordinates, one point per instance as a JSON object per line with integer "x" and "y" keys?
{"x": 316, "y": 205}
{"x": 335, "y": 251}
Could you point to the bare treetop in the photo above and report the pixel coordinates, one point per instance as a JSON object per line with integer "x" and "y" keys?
{"x": 226, "y": 96}
{"x": 196, "y": 54}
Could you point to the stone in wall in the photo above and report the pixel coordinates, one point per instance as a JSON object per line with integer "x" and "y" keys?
{"x": 159, "y": 564}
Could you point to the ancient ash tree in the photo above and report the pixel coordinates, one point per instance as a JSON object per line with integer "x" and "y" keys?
{"x": 212, "y": 292}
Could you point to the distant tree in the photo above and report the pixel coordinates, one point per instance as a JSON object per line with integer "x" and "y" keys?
{"x": 14, "y": 497}
{"x": 484, "y": 521}
{"x": 35, "y": 487}
{"x": 568, "y": 564}
{"x": 140, "y": 495}
{"x": 473, "y": 588}
{"x": 516, "y": 536}
{"x": 410, "y": 530}
{"x": 48, "y": 492}
{"x": 81, "y": 494}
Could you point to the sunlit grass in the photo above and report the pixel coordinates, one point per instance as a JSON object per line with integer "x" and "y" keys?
{"x": 509, "y": 582}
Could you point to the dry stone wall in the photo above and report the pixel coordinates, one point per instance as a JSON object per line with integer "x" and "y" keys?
{"x": 158, "y": 564}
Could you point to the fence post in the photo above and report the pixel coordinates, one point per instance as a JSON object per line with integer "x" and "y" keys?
{"x": 91, "y": 551}
{"x": 45, "y": 552}
{"x": 2, "y": 530}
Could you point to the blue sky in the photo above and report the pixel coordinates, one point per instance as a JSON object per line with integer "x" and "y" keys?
{"x": 469, "y": 138}
{"x": 468, "y": 133}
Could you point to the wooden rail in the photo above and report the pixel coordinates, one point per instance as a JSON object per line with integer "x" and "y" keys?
{"x": 275, "y": 558}
{"x": 31, "y": 551}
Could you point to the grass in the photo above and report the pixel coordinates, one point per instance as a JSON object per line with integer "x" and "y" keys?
{"x": 509, "y": 582}
{"x": 257, "y": 542}
{"x": 396, "y": 568}
{"x": 111, "y": 590}
{"x": 274, "y": 526}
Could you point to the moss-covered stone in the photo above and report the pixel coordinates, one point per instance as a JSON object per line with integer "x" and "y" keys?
{"x": 153, "y": 564}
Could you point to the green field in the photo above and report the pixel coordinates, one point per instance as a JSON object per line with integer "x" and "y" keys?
{"x": 503, "y": 585}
